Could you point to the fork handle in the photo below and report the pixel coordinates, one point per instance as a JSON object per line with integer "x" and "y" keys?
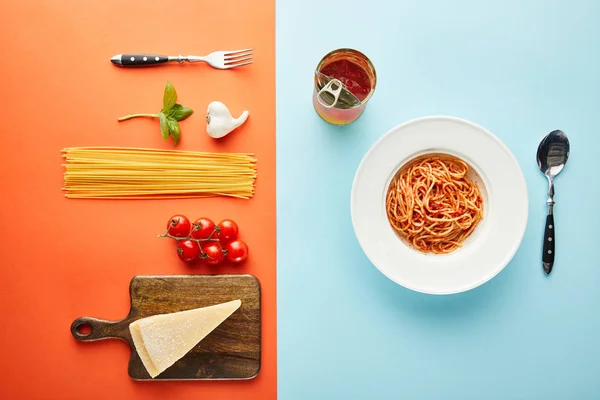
{"x": 138, "y": 60}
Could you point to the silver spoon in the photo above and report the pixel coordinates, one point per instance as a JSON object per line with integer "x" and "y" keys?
{"x": 552, "y": 155}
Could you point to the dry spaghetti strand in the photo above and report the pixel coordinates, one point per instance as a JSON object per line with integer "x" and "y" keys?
{"x": 433, "y": 204}
{"x": 139, "y": 173}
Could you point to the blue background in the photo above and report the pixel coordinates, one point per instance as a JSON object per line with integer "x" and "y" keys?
{"x": 518, "y": 68}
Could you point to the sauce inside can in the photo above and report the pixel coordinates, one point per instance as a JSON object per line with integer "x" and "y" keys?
{"x": 345, "y": 80}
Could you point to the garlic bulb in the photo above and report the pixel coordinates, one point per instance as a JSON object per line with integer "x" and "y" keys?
{"x": 219, "y": 121}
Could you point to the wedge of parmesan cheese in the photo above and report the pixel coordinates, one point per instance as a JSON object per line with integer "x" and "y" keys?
{"x": 161, "y": 340}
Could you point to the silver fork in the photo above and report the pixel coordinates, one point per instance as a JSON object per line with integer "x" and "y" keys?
{"x": 219, "y": 59}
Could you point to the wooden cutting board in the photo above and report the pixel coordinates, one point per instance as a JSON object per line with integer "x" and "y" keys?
{"x": 231, "y": 351}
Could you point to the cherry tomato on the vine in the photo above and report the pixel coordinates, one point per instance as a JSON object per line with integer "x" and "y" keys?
{"x": 203, "y": 229}
{"x": 228, "y": 231}
{"x": 179, "y": 226}
{"x": 188, "y": 250}
{"x": 237, "y": 251}
{"x": 214, "y": 253}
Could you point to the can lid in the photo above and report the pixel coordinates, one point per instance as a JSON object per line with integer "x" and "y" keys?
{"x": 333, "y": 93}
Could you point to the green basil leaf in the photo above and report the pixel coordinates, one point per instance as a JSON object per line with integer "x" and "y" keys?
{"x": 179, "y": 112}
{"x": 170, "y": 97}
{"x": 174, "y": 129}
{"x": 164, "y": 127}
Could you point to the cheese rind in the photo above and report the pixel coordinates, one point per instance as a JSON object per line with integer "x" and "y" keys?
{"x": 161, "y": 340}
{"x": 134, "y": 328}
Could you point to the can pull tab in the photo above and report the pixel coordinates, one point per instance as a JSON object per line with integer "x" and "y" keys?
{"x": 329, "y": 95}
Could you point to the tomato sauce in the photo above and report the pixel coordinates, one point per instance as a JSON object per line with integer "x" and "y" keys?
{"x": 351, "y": 75}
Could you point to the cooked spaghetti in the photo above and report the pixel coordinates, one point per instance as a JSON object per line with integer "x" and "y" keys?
{"x": 137, "y": 173}
{"x": 433, "y": 204}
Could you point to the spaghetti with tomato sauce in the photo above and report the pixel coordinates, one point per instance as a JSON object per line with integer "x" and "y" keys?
{"x": 433, "y": 204}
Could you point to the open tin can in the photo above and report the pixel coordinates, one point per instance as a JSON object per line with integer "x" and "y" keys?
{"x": 344, "y": 82}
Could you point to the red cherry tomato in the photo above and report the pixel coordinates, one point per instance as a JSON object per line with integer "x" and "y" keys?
{"x": 228, "y": 231}
{"x": 214, "y": 253}
{"x": 179, "y": 226}
{"x": 203, "y": 229}
{"x": 237, "y": 251}
{"x": 188, "y": 250}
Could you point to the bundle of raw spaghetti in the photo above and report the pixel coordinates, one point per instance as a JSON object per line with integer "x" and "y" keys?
{"x": 137, "y": 173}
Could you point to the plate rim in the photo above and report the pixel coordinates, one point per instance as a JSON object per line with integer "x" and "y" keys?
{"x": 521, "y": 234}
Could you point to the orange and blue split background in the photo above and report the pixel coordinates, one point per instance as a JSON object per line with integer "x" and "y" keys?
{"x": 333, "y": 327}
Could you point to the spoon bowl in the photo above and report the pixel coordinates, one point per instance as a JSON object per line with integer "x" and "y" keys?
{"x": 553, "y": 153}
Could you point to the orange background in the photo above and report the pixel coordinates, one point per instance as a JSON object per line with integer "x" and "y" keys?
{"x": 61, "y": 258}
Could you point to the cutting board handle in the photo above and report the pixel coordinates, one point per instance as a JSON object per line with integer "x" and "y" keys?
{"x": 89, "y": 329}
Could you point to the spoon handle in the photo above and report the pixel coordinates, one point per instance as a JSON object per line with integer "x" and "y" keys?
{"x": 548, "y": 252}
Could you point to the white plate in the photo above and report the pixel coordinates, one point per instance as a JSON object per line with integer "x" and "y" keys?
{"x": 495, "y": 240}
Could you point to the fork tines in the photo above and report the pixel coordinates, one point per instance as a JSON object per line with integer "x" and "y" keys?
{"x": 237, "y": 58}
